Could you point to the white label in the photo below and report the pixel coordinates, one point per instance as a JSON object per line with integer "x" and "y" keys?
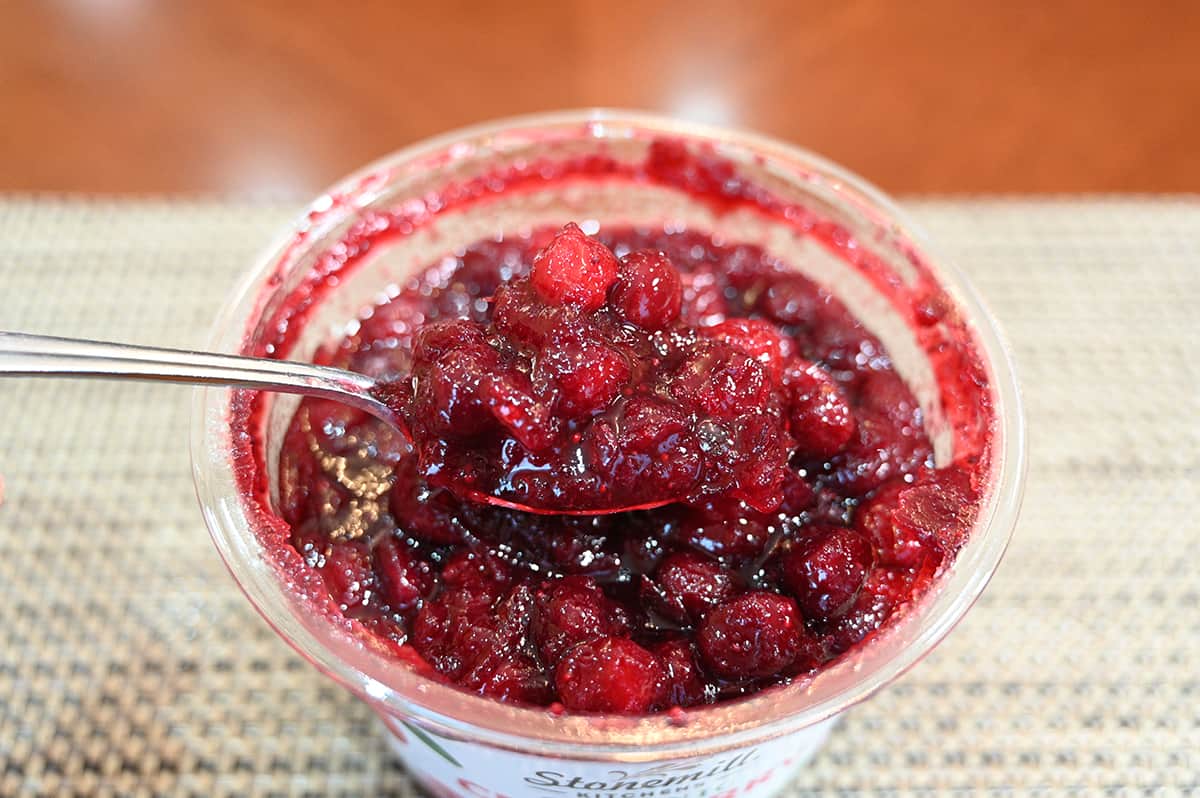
{"x": 450, "y": 768}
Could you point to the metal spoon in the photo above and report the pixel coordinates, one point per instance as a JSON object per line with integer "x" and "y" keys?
{"x": 23, "y": 355}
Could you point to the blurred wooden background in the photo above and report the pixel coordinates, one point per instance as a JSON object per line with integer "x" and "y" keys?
{"x": 280, "y": 97}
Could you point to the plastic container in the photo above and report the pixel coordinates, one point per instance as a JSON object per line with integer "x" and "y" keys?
{"x": 461, "y": 744}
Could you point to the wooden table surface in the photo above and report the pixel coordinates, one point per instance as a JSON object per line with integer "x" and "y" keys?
{"x": 280, "y": 97}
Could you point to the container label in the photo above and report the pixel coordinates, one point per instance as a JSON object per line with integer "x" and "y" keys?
{"x": 450, "y": 768}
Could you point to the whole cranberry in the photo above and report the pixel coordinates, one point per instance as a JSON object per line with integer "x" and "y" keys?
{"x": 889, "y": 439}
{"x": 886, "y": 589}
{"x": 692, "y": 584}
{"x": 648, "y": 450}
{"x": 574, "y": 269}
{"x": 941, "y": 506}
{"x": 721, "y": 381}
{"x": 347, "y": 573}
{"x": 753, "y": 636}
{"x": 758, "y": 338}
{"x": 929, "y": 518}
{"x": 425, "y": 514}
{"x": 704, "y": 302}
{"x": 518, "y": 680}
{"x": 791, "y": 299}
{"x": 760, "y": 467}
{"x": 729, "y": 531}
{"x": 435, "y": 339}
{"x": 826, "y": 570}
{"x": 648, "y": 291}
{"x": 492, "y": 646}
{"x": 879, "y": 450}
{"x": 448, "y": 631}
{"x": 404, "y": 579}
{"x": 569, "y": 611}
{"x": 510, "y": 399}
{"x": 522, "y": 315}
{"x": 483, "y": 573}
{"x": 796, "y": 494}
{"x": 684, "y": 683}
{"x": 447, "y": 394}
{"x": 894, "y": 544}
{"x": 609, "y": 674}
{"x": 587, "y": 375}
{"x": 886, "y": 393}
{"x": 819, "y": 416}
{"x": 470, "y": 633}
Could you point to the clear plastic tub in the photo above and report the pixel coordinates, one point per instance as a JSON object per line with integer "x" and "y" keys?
{"x": 461, "y": 744}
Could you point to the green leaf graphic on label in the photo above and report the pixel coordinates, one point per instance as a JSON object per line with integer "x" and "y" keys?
{"x": 426, "y": 738}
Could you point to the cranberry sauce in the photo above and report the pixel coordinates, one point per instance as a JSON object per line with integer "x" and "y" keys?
{"x": 586, "y": 390}
{"x": 671, "y": 365}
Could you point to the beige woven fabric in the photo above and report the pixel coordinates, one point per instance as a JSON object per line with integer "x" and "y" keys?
{"x": 130, "y": 664}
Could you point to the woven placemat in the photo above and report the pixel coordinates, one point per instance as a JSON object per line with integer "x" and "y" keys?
{"x": 131, "y": 665}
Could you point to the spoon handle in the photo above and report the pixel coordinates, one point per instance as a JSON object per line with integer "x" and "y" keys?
{"x": 24, "y": 355}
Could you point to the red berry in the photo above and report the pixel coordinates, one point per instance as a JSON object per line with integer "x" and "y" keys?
{"x": 941, "y": 506}
{"x": 574, "y": 270}
{"x": 885, "y": 590}
{"x": 692, "y": 584}
{"x": 434, "y": 340}
{"x": 404, "y": 579}
{"x": 510, "y": 397}
{"x": 471, "y": 634}
{"x": 704, "y": 302}
{"x": 569, "y": 611}
{"x": 593, "y": 382}
{"x": 685, "y": 685}
{"x": 447, "y": 398}
{"x": 911, "y": 523}
{"x": 609, "y": 674}
{"x": 842, "y": 344}
{"x": 796, "y": 494}
{"x": 721, "y": 381}
{"x": 522, "y": 315}
{"x": 397, "y": 394}
{"x": 826, "y": 570}
{"x": 886, "y": 394}
{"x": 757, "y": 338}
{"x": 729, "y": 531}
{"x": 879, "y": 451}
{"x": 894, "y": 544}
{"x": 347, "y": 573}
{"x": 433, "y": 631}
{"x": 520, "y": 681}
{"x": 702, "y": 172}
{"x": 819, "y": 416}
{"x": 483, "y": 573}
{"x": 648, "y": 291}
{"x": 649, "y": 450}
{"x": 760, "y": 460}
{"x": 885, "y": 445}
{"x": 791, "y": 299}
{"x": 587, "y": 375}
{"x": 430, "y": 515}
{"x": 579, "y": 544}
{"x": 753, "y": 636}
